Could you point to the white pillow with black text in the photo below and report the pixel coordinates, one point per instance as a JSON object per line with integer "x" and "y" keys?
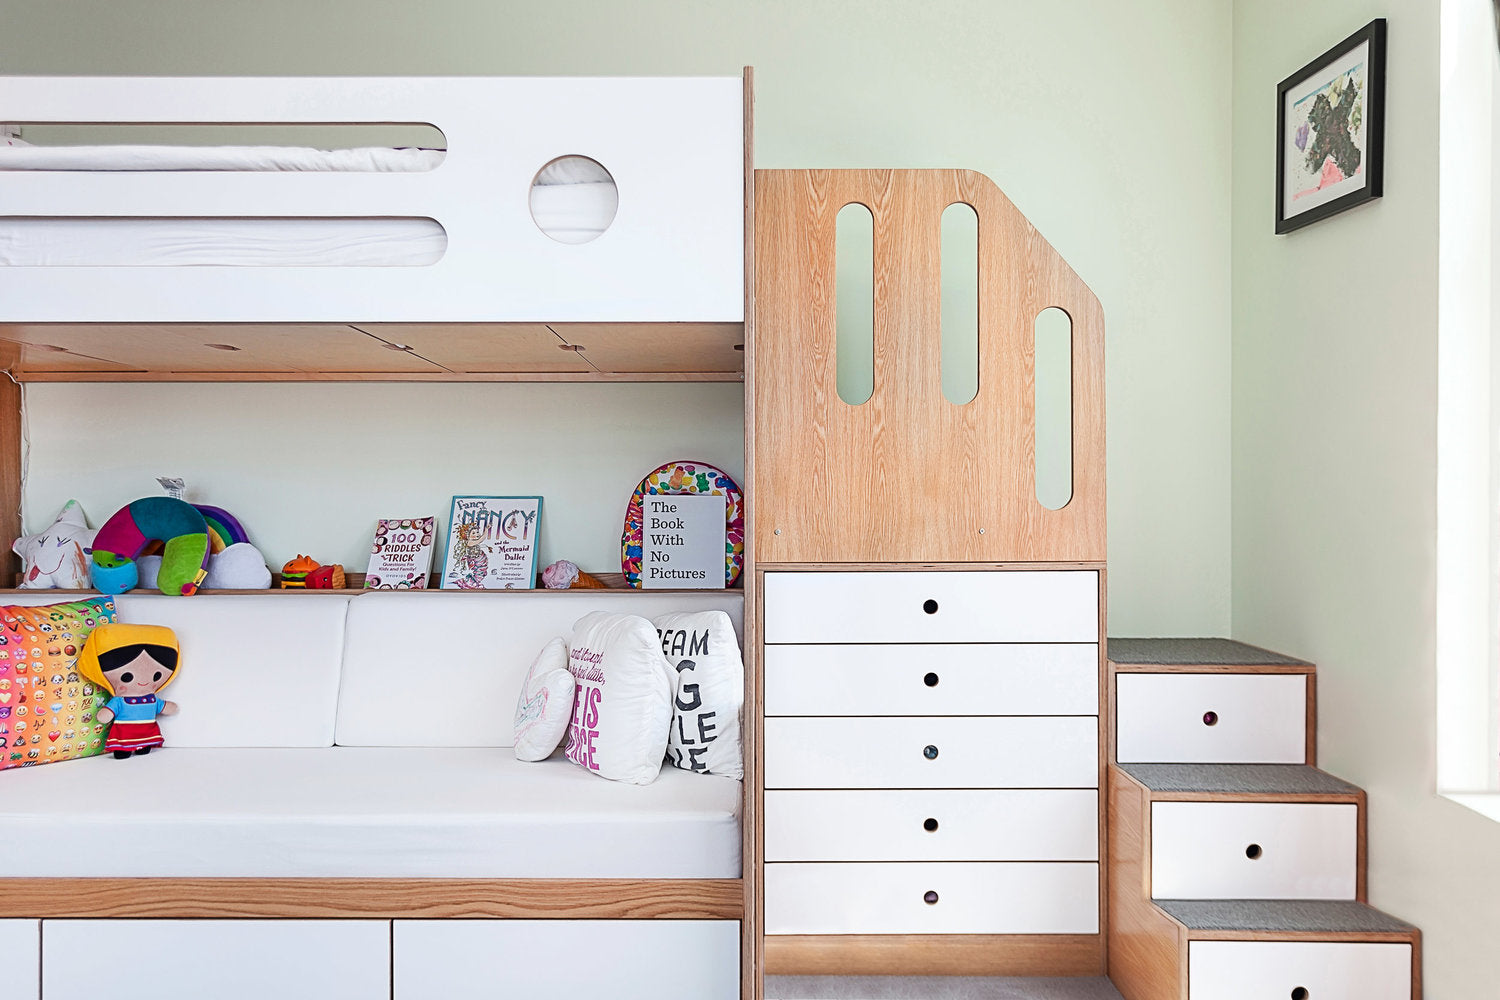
{"x": 709, "y": 692}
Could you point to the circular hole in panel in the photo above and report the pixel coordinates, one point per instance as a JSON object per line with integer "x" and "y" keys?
{"x": 930, "y": 898}
{"x": 573, "y": 199}
{"x": 1253, "y": 852}
{"x": 1210, "y": 718}
{"x": 929, "y": 606}
{"x": 1300, "y": 993}
{"x": 930, "y": 825}
{"x": 930, "y": 752}
{"x": 931, "y": 680}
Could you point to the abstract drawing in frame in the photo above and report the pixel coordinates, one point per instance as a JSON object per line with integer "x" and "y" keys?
{"x": 1330, "y": 131}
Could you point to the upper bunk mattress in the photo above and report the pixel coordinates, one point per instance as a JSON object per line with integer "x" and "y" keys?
{"x": 374, "y": 159}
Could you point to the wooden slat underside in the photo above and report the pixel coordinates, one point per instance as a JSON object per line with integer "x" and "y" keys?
{"x": 909, "y": 476}
{"x": 336, "y": 898}
{"x": 374, "y": 352}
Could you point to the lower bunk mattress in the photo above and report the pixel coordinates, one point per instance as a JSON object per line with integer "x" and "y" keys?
{"x": 362, "y": 813}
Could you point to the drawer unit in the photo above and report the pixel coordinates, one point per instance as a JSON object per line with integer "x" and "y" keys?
{"x": 1312, "y": 970}
{"x": 1018, "y": 606}
{"x": 20, "y": 959}
{"x": 222, "y": 959}
{"x": 945, "y": 825}
{"x": 1211, "y": 718}
{"x": 1020, "y": 752}
{"x": 565, "y": 959}
{"x": 932, "y": 898}
{"x": 933, "y": 679}
{"x": 1252, "y": 850}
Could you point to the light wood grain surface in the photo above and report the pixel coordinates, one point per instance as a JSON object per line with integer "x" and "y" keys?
{"x": 935, "y": 955}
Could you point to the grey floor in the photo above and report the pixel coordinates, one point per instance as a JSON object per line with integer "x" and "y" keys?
{"x": 935, "y": 988}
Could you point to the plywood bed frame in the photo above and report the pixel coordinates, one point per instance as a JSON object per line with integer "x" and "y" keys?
{"x": 492, "y": 312}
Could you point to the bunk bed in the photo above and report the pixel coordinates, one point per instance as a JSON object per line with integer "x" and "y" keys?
{"x": 589, "y": 230}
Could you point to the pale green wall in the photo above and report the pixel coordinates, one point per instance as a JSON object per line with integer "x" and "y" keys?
{"x": 1335, "y": 377}
{"x": 1105, "y": 122}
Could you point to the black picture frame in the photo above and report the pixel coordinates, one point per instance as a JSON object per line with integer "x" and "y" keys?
{"x": 1373, "y": 114}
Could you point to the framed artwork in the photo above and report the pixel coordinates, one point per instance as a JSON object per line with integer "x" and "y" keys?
{"x": 492, "y": 543}
{"x": 1330, "y": 131}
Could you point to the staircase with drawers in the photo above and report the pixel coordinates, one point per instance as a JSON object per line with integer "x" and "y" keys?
{"x": 1236, "y": 867}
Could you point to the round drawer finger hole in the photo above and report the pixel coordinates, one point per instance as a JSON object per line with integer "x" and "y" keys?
{"x": 931, "y": 680}
{"x": 930, "y": 825}
{"x": 930, "y": 898}
{"x": 929, "y": 606}
{"x": 1210, "y": 718}
{"x": 1300, "y": 993}
{"x": 930, "y": 752}
{"x": 1253, "y": 852}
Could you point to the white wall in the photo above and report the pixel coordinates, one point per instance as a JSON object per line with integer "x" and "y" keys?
{"x": 1105, "y": 122}
{"x": 1335, "y": 391}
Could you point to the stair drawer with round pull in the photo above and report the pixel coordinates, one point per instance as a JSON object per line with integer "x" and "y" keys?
{"x": 1298, "y": 970}
{"x": 933, "y": 679}
{"x": 940, "y": 752}
{"x": 941, "y": 825}
{"x": 982, "y": 606}
{"x": 932, "y": 898}
{"x": 1252, "y": 850}
{"x": 1211, "y": 718}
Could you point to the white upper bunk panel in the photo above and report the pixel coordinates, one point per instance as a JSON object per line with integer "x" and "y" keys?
{"x": 674, "y": 252}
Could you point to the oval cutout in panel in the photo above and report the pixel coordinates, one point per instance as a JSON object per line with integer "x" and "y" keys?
{"x": 960, "y": 270}
{"x": 574, "y": 199}
{"x": 1053, "y": 457}
{"x": 854, "y": 303}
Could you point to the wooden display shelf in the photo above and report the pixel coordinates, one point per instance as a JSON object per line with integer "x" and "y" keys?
{"x": 374, "y": 352}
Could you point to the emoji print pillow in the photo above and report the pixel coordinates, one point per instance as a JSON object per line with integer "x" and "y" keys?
{"x": 47, "y": 710}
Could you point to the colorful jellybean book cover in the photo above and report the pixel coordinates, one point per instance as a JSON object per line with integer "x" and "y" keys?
{"x": 47, "y": 711}
{"x": 492, "y": 543}
{"x": 401, "y": 555}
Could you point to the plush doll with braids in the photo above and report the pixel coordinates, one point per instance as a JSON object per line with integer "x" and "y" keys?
{"x": 133, "y": 663}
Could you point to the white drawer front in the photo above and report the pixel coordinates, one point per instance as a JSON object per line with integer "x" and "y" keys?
{"x": 942, "y": 825}
{"x": 933, "y": 679}
{"x": 566, "y": 959}
{"x": 1243, "y": 850}
{"x": 1020, "y": 752}
{"x": 222, "y": 959}
{"x": 20, "y": 959}
{"x": 1018, "y": 606}
{"x": 967, "y": 898}
{"x": 1273, "y": 970}
{"x": 1211, "y": 718}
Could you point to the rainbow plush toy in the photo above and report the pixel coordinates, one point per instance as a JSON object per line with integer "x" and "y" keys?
{"x": 177, "y": 524}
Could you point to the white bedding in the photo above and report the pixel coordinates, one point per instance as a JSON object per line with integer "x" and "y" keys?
{"x": 572, "y": 203}
{"x": 243, "y": 158}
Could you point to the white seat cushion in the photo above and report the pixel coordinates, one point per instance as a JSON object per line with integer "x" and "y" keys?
{"x": 371, "y": 813}
{"x": 442, "y": 669}
{"x": 257, "y": 670}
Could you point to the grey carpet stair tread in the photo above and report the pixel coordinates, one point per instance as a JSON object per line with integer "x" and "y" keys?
{"x": 1291, "y": 915}
{"x": 1196, "y": 653}
{"x": 1239, "y": 779}
{"x": 937, "y": 988}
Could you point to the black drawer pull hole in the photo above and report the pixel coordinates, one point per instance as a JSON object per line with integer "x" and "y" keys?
{"x": 1210, "y": 718}
{"x": 930, "y": 825}
{"x": 929, "y": 606}
{"x": 1253, "y": 852}
{"x": 930, "y": 752}
{"x": 930, "y": 898}
{"x": 1300, "y": 993}
{"x": 931, "y": 680}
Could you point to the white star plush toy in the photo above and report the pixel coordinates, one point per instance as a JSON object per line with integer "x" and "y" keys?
{"x": 58, "y": 557}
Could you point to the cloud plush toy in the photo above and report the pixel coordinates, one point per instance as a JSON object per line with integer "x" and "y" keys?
{"x": 57, "y": 557}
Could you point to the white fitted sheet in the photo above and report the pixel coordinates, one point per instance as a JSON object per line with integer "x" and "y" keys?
{"x": 233, "y": 158}
{"x": 362, "y": 813}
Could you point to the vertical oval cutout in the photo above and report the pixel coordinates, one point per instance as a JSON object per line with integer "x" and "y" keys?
{"x": 1054, "y": 408}
{"x": 854, "y": 303}
{"x": 960, "y": 269}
